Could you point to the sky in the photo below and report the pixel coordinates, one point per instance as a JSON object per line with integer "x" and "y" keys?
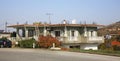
{"x": 21, "y": 11}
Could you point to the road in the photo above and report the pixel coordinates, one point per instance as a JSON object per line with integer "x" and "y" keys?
{"x": 16, "y": 54}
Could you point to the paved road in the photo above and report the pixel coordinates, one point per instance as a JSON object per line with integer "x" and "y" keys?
{"x": 14, "y": 54}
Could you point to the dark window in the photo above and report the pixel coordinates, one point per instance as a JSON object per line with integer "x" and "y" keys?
{"x": 91, "y": 33}
{"x": 31, "y": 33}
{"x": 73, "y": 33}
{"x": 57, "y": 33}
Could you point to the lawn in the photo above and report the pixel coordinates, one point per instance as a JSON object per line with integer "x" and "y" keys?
{"x": 101, "y": 52}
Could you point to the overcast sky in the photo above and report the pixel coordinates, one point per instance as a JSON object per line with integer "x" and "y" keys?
{"x": 99, "y": 11}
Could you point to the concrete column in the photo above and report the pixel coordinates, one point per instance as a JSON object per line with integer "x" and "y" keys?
{"x": 26, "y": 33}
{"x": 94, "y": 33}
{"x": 45, "y": 31}
{"x": 17, "y": 34}
{"x": 89, "y": 33}
{"x": 85, "y": 32}
{"x": 65, "y": 33}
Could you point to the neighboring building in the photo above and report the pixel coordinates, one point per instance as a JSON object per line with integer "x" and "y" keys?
{"x": 83, "y": 36}
{"x": 5, "y": 34}
{"x": 1, "y": 31}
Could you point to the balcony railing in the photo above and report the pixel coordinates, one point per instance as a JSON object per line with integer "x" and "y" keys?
{"x": 95, "y": 39}
{"x": 82, "y": 40}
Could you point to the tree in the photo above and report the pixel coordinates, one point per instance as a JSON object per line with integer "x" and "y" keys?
{"x": 47, "y": 41}
{"x": 13, "y": 34}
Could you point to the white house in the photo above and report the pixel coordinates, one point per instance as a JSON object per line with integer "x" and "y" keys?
{"x": 83, "y": 36}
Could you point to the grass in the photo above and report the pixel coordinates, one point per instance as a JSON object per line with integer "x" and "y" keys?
{"x": 101, "y": 52}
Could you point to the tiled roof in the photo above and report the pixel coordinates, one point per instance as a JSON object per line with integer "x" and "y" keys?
{"x": 54, "y": 25}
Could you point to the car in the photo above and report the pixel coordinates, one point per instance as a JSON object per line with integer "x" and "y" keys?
{"x": 5, "y": 43}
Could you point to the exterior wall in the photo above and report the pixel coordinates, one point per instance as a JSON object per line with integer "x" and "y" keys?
{"x": 65, "y": 33}
{"x": 85, "y": 37}
{"x": 89, "y": 46}
{"x": 78, "y": 35}
{"x": 5, "y": 35}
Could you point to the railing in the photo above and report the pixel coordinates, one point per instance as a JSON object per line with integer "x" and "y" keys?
{"x": 82, "y": 40}
{"x": 19, "y": 39}
{"x": 95, "y": 39}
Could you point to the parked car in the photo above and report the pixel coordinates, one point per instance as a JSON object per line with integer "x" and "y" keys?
{"x": 5, "y": 43}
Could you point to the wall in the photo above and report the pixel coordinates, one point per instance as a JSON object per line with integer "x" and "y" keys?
{"x": 89, "y": 46}
{"x": 5, "y": 35}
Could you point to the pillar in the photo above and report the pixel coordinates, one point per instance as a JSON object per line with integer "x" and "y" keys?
{"x": 26, "y": 33}
{"x": 65, "y": 33}
{"x": 17, "y": 34}
{"x": 94, "y": 33}
{"x": 89, "y": 33}
{"x": 45, "y": 31}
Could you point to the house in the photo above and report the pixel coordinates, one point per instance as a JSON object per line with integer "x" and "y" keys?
{"x": 4, "y": 34}
{"x": 83, "y": 36}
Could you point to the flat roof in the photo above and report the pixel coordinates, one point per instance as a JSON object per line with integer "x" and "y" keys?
{"x": 55, "y": 25}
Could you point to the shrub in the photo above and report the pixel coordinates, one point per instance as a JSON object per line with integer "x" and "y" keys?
{"x": 27, "y": 43}
{"x": 3, "y": 38}
{"x": 47, "y": 41}
{"x": 115, "y": 47}
{"x": 102, "y": 46}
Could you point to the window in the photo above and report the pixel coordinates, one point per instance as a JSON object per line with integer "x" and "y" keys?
{"x": 31, "y": 33}
{"x": 73, "y": 33}
{"x": 57, "y": 33}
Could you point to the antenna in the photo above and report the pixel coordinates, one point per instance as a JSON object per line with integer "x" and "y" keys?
{"x": 26, "y": 22}
{"x": 49, "y": 14}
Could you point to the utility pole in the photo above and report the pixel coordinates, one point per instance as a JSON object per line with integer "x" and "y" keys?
{"x": 49, "y": 14}
{"x": 26, "y": 22}
{"x": 17, "y": 23}
{"x": 6, "y": 26}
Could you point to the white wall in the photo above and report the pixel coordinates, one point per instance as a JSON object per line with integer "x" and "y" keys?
{"x": 75, "y": 37}
{"x": 5, "y": 35}
{"x": 89, "y": 46}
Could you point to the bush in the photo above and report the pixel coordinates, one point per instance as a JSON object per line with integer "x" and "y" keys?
{"x": 47, "y": 41}
{"x": 27, "y": 43}
{"x": 102, "y": 46}
{"x": 3, "y": 38}
{"x": 117, "y": 48}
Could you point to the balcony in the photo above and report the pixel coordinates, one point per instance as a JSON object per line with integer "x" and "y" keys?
{"x": 81, "y": 40}
{"x": 95, "y": 40}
